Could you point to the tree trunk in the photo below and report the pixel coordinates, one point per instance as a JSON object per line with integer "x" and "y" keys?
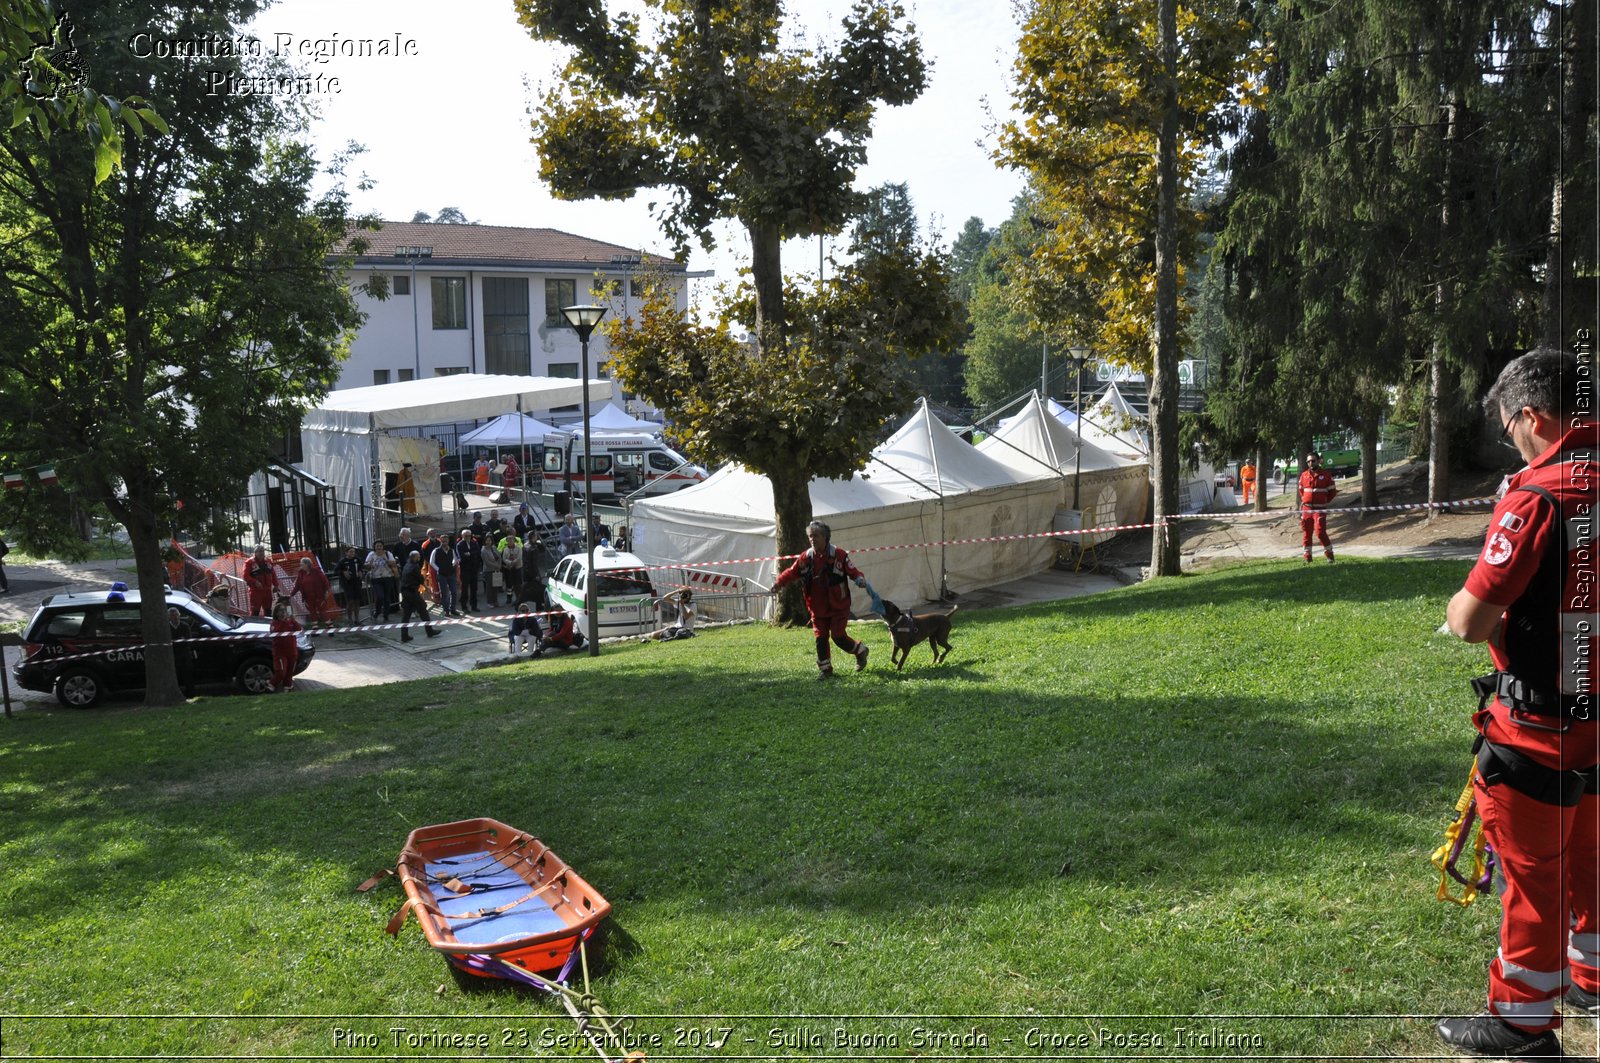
{"x": 1369, "y": 460}
{"x": 766, "y": 275}
{"x": 1263, "y": 480}
{"x": 1441, "y": 381}
{"x": 1164, "y": 379}
{"x": 791, "y": 504}
{"x": 136, "y": 513}
{"x": 1575, "y": 36}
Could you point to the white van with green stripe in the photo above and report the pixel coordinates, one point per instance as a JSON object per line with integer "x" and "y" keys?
{"x": 622, "y": 588}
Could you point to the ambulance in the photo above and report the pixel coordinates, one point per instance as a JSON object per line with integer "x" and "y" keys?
{"x": 624, "y": 463}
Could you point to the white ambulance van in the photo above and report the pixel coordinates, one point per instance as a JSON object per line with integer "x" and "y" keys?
{"x": 623, "y": 463}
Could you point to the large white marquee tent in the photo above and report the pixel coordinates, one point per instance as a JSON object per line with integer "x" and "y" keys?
{"x": 922, "y": 489}
{"x": 1112, "y": 490}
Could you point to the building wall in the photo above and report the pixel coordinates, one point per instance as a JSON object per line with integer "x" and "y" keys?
{"x": 391, "y": 341}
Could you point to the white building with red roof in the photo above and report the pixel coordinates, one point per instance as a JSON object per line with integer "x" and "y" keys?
{"x": 487, "y": 299}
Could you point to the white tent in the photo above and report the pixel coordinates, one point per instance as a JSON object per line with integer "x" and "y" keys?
{"x": 922, "y": 489}
{"x": 509, "y": 430}
{"x": 1112, "y": 490}
{"x": 612, "y": 418}
{"x": 346, "y": 441}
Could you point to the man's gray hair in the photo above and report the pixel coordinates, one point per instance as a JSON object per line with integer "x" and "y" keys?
{"x": 1544, "y": 378}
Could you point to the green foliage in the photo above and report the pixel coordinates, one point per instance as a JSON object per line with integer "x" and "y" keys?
{"x": 1367, "y": 235}
{"x": 1090, "y": 87}
{"x": 1008, "y": 834}
{"x": 164, "y": 328}
{"x": 712, "y": 107}
{"x": 819, "y": 410}
{"x": 45, "y": 88}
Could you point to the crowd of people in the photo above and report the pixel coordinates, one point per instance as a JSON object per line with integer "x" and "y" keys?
{"x": 492, "y": 564}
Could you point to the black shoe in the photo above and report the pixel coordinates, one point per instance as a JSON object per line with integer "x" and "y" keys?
{"x": 1580, "y": 999}
{"x": 431, "y": 632}
{"x": 405, "y": 636}
{"x": 1488, "y": 1035}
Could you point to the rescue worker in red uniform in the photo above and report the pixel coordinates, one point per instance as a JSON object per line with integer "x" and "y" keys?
{"x": 261, "y": 580}
{"x": 1316, "y": 491}
{"x": 1532, "y": 597}
{"x": 823, "y": 572}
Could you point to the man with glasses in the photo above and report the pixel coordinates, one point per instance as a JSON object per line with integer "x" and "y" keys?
{"x": 1532, "y": 597}
{"x": 1316, "y": 491}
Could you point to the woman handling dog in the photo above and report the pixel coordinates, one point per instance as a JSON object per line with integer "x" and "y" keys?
{"x": 823, "y": 572}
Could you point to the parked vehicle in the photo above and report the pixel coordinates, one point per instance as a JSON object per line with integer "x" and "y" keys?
{"x": 85, "y": 646}
{"x": 622, "y": 589}
{"x": 1338, "y": 457}
{"x": 622, "y": 463}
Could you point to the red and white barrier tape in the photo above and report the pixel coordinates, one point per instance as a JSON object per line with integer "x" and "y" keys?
{"x": 717, "y": 579}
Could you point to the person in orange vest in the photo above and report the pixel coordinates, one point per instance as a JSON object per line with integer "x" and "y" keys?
{"x": 1247, "y": 477}
{"x": 1316, "y": 491}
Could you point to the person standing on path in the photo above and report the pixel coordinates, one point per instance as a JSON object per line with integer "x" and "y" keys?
{"x": 1316, "y": 491}
{"x": 261, "y": 580}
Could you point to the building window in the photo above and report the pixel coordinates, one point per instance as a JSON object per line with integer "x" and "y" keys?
{"x": 450, "y": 370}
{"x": 449, "y": 302}
{"x": 507, "y": 345}
{"x": 380, "y": 376}
{"x": 558, "y": 293}
{"x": 402, "y": 284}
{"x": 408, "y": 374}
{"x": 564, "y": 370}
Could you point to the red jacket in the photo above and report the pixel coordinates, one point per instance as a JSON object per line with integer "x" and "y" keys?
{"x": 825, "y": 580}
{"x": 1316, "y": 488}
{"x": 1548, "y": 636}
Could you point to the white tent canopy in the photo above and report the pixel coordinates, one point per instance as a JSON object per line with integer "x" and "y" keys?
{"x": 612, "y": 418}
{"x": 922, "y": 488}
{"x": 345, "y": 440}
{"x": 509, "y": 430}
{"x": 1112, "y": 490}
{"x": 446, "y": 399}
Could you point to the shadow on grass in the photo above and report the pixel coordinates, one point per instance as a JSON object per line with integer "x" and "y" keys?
{"x": 864, "y": 794}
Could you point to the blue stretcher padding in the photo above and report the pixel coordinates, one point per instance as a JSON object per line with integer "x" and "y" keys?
{"x": 494, "y": 884}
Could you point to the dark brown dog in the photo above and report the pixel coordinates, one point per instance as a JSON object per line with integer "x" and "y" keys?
{"x": 908, "y": 629}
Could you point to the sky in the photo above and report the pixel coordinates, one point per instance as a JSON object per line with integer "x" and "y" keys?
{"x": 447, "y": 126}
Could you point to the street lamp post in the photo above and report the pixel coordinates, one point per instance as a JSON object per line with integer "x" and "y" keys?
{"x": 583, "y": 319}
{"x": 1078, "y": 354}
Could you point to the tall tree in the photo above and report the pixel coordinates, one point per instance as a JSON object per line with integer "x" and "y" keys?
{"x": 817, "y": 412}
{"x": 1384, "y": 196}
{"x": 710, "y": 103}
{"x": 162, "y": 330}
{"x": 887, "y": 221}
{"x": 1119, "y": 98}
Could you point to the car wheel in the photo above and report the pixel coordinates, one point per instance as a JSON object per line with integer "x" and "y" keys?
{"x": 79, "y": 688}
{"x": 254, "y": 676}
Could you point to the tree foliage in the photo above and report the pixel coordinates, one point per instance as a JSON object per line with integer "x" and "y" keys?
{"x": 162, "y": 330}
{"x": 1119, "y": 102}
{"x": 713, "y": 107}
{"x": 45, "y": 84}
{"x": 712, "y": 102}
{"x": 1390, "y": 213}
{"x": 816, "y": 413}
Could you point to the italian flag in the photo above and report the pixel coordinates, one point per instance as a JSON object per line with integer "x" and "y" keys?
{"x": 14, "y": 480}
{"x": 47, "y": 474}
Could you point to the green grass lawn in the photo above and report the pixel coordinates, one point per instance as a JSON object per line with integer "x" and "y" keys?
{"x": 1209, "y": 801}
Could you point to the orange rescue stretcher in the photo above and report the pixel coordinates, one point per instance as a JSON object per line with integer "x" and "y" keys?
{"x": 498, "y": 903}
